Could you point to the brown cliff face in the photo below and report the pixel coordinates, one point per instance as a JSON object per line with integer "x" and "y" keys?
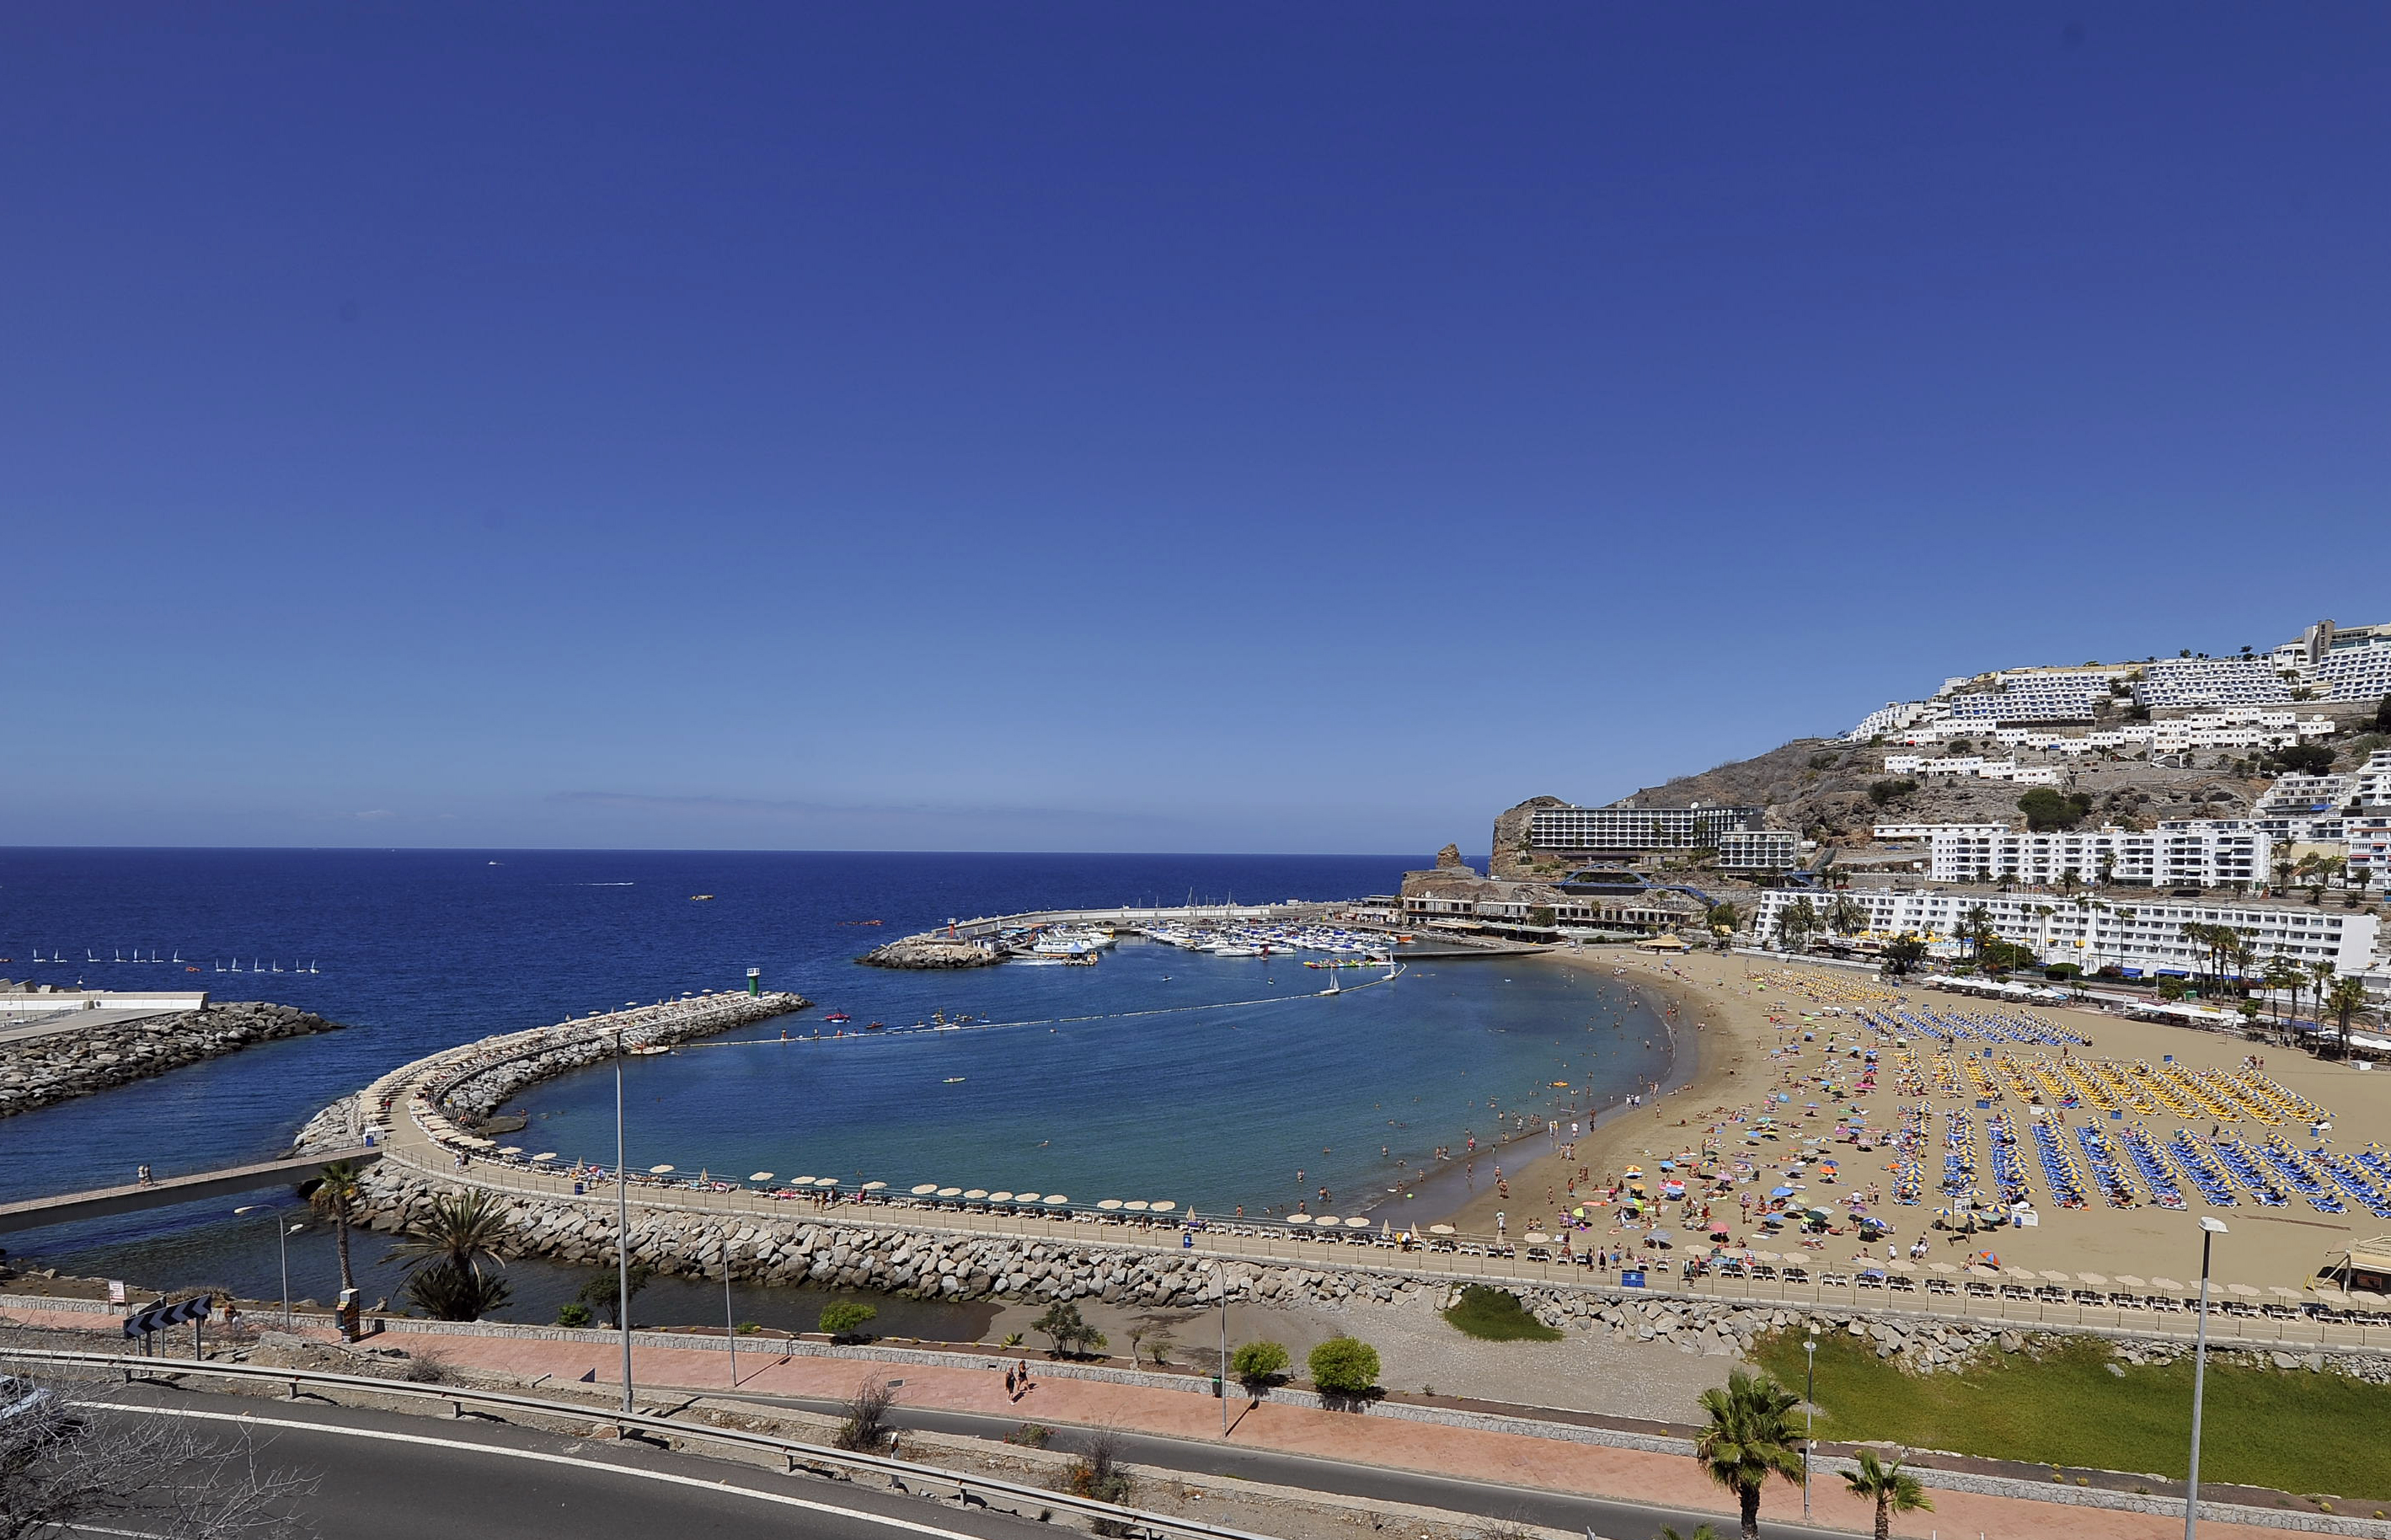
{"x": 1512, "y": 857}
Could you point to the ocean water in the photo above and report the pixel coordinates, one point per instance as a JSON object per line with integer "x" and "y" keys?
{"x": 1158, "y": 1073}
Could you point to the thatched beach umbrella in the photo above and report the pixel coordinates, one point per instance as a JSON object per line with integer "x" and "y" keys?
{"x": 659, "y": 1170}
{"x": 1439, "y": 1229}
{"x": 760, "y": 1176}
{"x": 925, "y": 1189}
{"x": 1165, "y": 1205}
{"x": 1306, "y": 1219}
{"x": 1108, "y": 1204}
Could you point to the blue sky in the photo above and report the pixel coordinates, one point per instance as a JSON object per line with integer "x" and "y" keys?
{"x": 1101, "y": 427}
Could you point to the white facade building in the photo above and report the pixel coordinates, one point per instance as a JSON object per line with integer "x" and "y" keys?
{"x": 2143, "y": 936}
{"x": 1631, "y": 828}
{"x": 1975, "y": 765}
{"x": 2180, "y": 853}
{"x": 2212, "y": 681}
{"x": 1759, "y": 850}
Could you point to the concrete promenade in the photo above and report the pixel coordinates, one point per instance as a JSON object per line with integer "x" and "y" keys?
{"x": 164, "y": 1192}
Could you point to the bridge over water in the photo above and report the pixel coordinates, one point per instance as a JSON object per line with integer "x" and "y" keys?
{"x": 166, "y": 1191}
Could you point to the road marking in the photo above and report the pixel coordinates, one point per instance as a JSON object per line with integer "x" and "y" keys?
{"x": 719, "y": 1485}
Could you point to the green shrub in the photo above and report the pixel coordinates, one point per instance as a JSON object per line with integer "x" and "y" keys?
{"x": 573, "y": 1313}
{"x": 844, "y": 1319}
{"x": 1496, "y": 1315}
{"x": 1258, "y": 1363}
{"x": 1344, "y": 1365}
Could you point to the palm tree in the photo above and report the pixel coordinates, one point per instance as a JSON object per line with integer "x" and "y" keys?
{"x": 2282, "y": 974}
{"x": 1893, "y": 1490}
{"x": 454, "y": 1259}
{"x": 2349, "y": 997}
{"x": 1979, "y": 922}
{"x": 2321, "y": 974}
{"x": 1799, "y": 919}
{"x": 1846, "y": 917}
{"x": 1750, "y": 1438}
{"x": 339, "y": 1197}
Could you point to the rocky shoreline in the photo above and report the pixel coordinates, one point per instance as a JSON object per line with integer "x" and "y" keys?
{"x": 39, "y": 1071}
{"x": 931, "y": 951}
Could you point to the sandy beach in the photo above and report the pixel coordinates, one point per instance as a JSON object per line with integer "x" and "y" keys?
{"x": 1750, "y": 1028}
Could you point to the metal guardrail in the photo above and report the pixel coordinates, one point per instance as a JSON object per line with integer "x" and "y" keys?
{"x": 798, "y": 1456}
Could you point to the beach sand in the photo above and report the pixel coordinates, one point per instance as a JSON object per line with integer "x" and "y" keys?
{"x": 1724, "y": 1003}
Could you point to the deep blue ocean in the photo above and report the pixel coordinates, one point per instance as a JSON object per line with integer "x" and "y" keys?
{"x": 1112, "y": 1084}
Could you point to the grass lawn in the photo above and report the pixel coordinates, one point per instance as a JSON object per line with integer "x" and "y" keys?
{"x": 2286, "y": 1429}
{"x": 1496, "y": 1315}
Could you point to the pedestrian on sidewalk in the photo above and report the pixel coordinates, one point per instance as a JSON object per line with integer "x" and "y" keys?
{"x": 1012, "y": 1390}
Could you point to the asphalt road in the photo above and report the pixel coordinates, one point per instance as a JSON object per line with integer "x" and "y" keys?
{"x": 392, "y": 1476}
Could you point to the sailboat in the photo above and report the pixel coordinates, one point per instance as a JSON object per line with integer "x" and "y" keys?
{"x": 90, "y": 956}
{"x": 312, "y": 967}
{"x": 220, "y": 967}
{"x": 178, "y": 955}
{"x": 235, "y": 966}
{"x": 278, "y": 967}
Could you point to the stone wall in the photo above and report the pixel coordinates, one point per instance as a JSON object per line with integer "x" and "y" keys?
{"x": 37, "y": 1071}
{"x": 829, "y": 1253}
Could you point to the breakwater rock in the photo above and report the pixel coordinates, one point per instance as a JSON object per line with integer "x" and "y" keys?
{"x": 931, "y": 951}
{"x": 833, "y": 1255}
{"x": 37, "y": 1071}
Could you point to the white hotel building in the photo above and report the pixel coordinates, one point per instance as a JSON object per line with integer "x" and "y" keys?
{"x": 2139, "y": 936}
{"x": 2180, "y": 853}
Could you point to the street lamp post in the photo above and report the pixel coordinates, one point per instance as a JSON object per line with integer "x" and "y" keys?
{"x": 1809, "y": 1418}
{"x": 2209, "y": 1230}
{"x": 282, "y": 1235}
{"x": 622, "y": 1227}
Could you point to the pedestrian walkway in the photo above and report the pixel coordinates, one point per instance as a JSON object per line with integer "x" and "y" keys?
{"x": 1464, "y": 1453}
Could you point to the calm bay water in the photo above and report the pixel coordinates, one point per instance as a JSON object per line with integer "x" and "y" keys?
{"x": 1110, "y": 1085}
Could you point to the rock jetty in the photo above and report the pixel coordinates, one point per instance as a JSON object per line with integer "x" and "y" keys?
{"x": 37, "y": 1071}
{"x": 930, "y": 951}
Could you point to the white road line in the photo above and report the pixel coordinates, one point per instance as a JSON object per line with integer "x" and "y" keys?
{"x": 544, "y": 1458}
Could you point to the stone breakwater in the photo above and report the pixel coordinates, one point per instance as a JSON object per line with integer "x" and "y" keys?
{"x": 829, "y": 1254}
{"x": 470, "y": 1080}
{"x": 37, "y": 1071}
{"x": 931, "y": 951}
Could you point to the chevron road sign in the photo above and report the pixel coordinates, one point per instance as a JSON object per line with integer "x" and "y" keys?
{"x": 158, "y": 1317}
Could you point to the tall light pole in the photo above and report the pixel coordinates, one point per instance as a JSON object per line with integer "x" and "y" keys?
{"x": 2209, "y": 1230}
{"x": 282, "y": 1235}
{"x": 622, "y": 1227}
{"x": 1809, "y": 1418}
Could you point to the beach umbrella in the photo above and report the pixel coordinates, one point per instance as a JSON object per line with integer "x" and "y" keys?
{"x": 545, "y": 1155}
{"x": 1940, "y": 1267}
{"x": 658, "y": 1171}
{"x": 1134, "y": 1206}
{"x": 801, "y": 1181}
{"x": 1108, "y": 1204}
{"x": 950, "y": 1192}
{"x": 1165, "y": 1205}
{"x": 1026, "y": 1198}
{"x": 1780, "y": 1192}
{"x": 1980, "y": 1270}
{"x": 760, "y": 1176}
{"x": 2132, "y": 1282}
{"x": 2366, "y": 1298}
{"x": 975, "y": 1192}
{"x": 1055, "y": 1200}
{"x": 1533, "y": 1237}
{"x": 1660, "y": 1237}
{"x": 2049, "y": 1276}
{"x": 1306, "y": 1219}
{"x": 872, "y": 1186}
{"x": 2244, "y": 1290}
{"x": 2093, "y": 1278}
{"x": 2332, "y": 1296}
{"x": 1327, "y": 1220}
{"x": 2281, "y": 1293}
{"x": 1000, "y": 1196}
{"x": 1439, "y": 1229}
{"x": 925, "y": 1189}
{"x": 2164, "y": 1283}
{"x": 2023, "y": 1275}
{"x": 510, "y": 1149}
{"x": 826, "y": 1180}
{"x": 1902, "y": 1264}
